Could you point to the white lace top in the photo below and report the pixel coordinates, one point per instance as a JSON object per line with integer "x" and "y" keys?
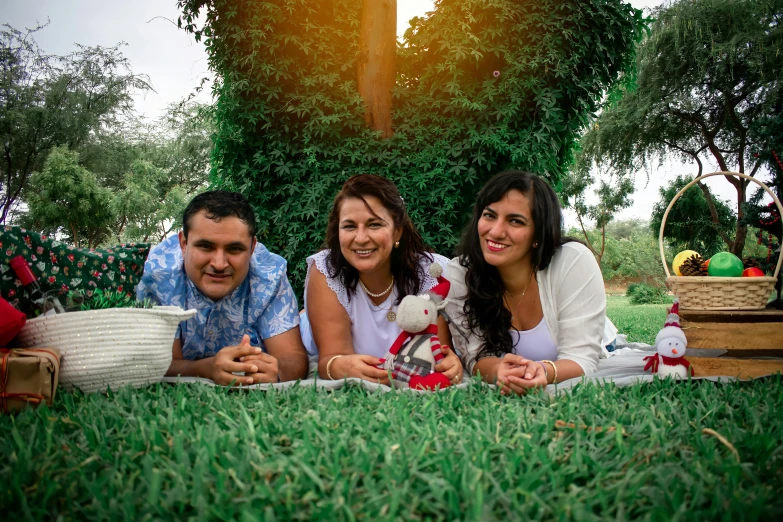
{"x": 371, "y": 332}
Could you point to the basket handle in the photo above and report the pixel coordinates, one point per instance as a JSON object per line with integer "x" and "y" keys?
{"x": 174, "y": 312}
{"x": 692, "y": 183}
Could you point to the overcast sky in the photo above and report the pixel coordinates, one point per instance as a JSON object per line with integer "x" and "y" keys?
{"x": 176, "y": 64}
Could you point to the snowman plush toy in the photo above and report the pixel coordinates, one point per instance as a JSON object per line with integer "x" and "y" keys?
{"x": 412, "y": 358}
{"x": 670, "y": 345}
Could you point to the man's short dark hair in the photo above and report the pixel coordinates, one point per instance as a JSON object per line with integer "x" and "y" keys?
{"x": 219, "y": 204}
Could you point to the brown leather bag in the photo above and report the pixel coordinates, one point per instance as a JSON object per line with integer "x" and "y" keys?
{"x": 28, "y": 376}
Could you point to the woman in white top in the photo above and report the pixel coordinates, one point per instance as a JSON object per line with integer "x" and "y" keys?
{"x": 373, "y": 258}
{"x": 529, "y": 305}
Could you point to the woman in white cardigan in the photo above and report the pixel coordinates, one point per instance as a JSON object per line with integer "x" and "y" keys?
{"x": 528, "y": 307}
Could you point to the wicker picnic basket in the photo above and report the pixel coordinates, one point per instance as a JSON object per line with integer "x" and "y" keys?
{"x": 108, "y": 348}
{"x": 720, "y": 293}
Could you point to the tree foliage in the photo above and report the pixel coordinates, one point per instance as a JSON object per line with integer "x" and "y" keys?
{"x": 65, "y": 195}
{"x": 630, "y": 251}
{"x": 149, "y": 170}
{"x": 689, "y": 225}
{"x": 708, "y": 70}
{"x": 49, "y": 101}
{"x": 481, "y": 86}
{"x": 154, "y": 168}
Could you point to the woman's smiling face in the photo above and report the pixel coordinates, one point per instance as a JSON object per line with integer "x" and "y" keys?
{"x": 367, "y": 235}
{"x": 507, "y": 231}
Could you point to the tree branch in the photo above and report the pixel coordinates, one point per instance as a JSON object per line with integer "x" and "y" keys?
{"x": 732, "y": 110}
{"x": 708, "y": 135}
{"x": 755, "y": 168}
{"x": 584, "y": 232}
{"x": 714, "y": 213}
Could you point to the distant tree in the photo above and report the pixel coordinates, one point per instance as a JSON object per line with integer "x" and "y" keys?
{"x": 707, "y": 71}
{"x": 631, "y": 251}
{"x": 613, "y": 196}
{"x": 626, "y": 228}
{"x": 48, "y": 101}
{"x": 67, "y": 198}
{"x": 149, "y": 206}
{"x": 153, "y": 168}
{"x": 689, "y": 224}
{"x": 185, "y": 145}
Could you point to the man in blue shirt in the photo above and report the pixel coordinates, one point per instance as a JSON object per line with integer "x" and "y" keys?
{"x": 247, "y": 321}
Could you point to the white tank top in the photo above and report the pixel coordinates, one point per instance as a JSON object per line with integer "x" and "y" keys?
{"x": 535, "y": 344}
{"x": 372, "y": 333}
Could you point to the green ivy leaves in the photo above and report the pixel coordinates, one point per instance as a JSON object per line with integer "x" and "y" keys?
{"x": 482, "y": 86}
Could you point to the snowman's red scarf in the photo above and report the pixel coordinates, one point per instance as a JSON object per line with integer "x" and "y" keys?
{"x": 404, "y": 336}
{"x": 653, "y": 361}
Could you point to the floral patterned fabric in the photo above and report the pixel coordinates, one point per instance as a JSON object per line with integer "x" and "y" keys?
{"x": 57, "y": 265}
{"x": 263, "y": 306}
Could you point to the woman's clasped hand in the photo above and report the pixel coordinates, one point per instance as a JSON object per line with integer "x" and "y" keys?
{"x": 518, "y": 375}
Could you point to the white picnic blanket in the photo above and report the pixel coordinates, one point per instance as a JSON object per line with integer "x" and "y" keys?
{"x": 623, "y": 367}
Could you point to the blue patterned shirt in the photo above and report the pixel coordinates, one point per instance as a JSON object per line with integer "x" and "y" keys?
{"x": 263, "y": 306}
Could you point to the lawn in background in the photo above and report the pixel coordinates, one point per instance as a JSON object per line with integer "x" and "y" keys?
{"x": 598, "y": 453}
{"x": 640, "y": 323}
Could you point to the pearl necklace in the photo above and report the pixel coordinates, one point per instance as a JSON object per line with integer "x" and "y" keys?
{"x": 390, "y": 315}
{"x": 366, "y": 291}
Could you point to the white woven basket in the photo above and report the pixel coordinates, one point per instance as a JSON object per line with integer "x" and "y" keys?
{"x": 108, "y": 348}
{"x": 720, "y": 293}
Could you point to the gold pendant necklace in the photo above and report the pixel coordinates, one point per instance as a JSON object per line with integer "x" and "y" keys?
{"x": 513, "y": 314}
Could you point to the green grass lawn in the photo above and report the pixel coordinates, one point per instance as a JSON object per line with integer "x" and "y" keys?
{"x": 639, "y": 322}
{"x": 195, "y": 452}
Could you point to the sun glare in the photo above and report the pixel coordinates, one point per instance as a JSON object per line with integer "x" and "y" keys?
{"x": 407, "y": 9}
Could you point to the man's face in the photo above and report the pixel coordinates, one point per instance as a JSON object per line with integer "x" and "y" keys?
{"x": 217, "y": 254}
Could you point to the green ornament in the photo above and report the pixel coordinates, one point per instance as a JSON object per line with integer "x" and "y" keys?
{"x": 725, "y": 264}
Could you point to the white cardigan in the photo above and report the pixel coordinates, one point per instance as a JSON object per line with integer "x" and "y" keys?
{"x": 573, "y": 299}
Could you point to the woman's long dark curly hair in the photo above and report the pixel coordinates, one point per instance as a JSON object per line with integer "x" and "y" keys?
{"x": 405, "y": 260}
{"x": 484, "y": 308}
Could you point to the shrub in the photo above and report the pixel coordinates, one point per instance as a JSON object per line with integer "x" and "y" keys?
{"x": 482, "y": 86}
{"x": 641, "y": 293}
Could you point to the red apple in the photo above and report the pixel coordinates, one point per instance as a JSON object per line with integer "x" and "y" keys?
{"x": 753, "y": 272}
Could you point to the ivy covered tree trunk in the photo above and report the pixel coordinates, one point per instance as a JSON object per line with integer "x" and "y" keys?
{"x": 378, "y": 62}
{"x": 479, "y": 86}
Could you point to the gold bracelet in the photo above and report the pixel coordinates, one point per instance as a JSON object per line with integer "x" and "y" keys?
{"x": 329, "y": 365}
{"x": 554, "y": 379}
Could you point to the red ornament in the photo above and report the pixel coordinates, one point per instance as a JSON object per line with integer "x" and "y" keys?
{"x": 777, "y": 160}
{"x": 753, "y": 272}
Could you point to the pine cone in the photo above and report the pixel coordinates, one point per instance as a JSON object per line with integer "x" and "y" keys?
{"x": 691, "y": 266}
{"x": 751, "y": 262}
{"x": 703, "y": 269}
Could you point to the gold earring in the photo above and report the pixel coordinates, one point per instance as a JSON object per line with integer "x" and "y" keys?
{"x": 397, "y": 244}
